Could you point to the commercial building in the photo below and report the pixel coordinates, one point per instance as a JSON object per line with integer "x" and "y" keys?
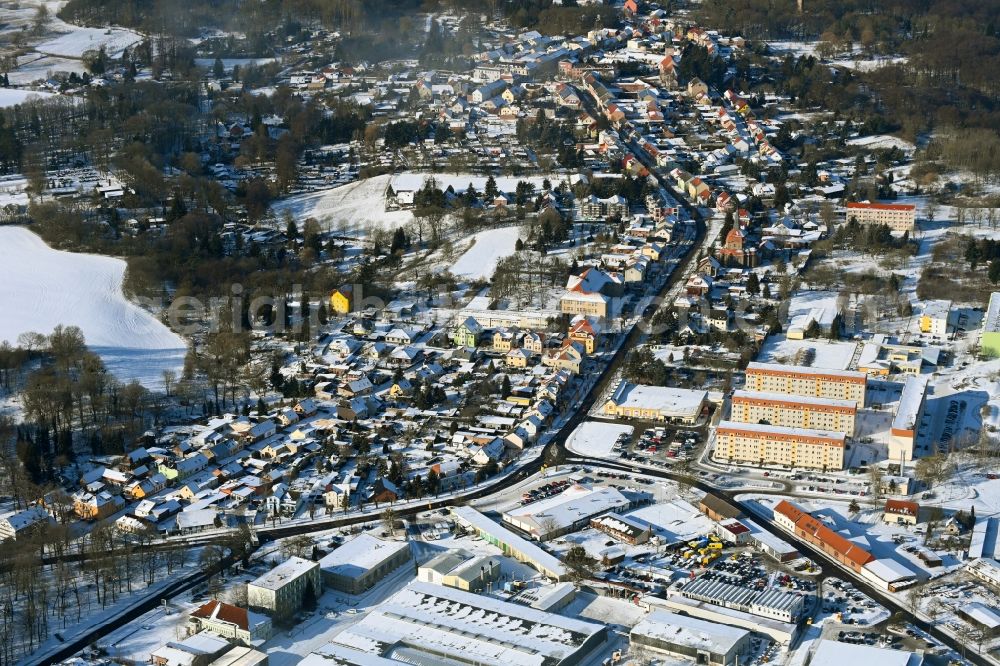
{"x": 655, "y": 403}
{"x": 362, "y": 562}
{"x": 986, "y": 570}
{"x": 780, "y": 632}
{"x": 771, "y": 545}
{"x": 935, "y": 318}
{"x": 795, "y": 520}
{"x": 461, "y": 569}
{"x": 982, "y": 616}
{"x": 754, "y": 443}
{"x": 425, "y": 623}
{"x": 566, "y": 512}
{"x": 509, "y": 543}
{"x": 795, "y": 411}
{"x": 684, "y": 636}
{"x": 906, "y": 421}
{"x": 775, "y": 604}
{"x": 806, "y": 381}
{"x": 989, "y": 341}
{"x": 231, "y": 622}
{"x": 719, "y": 509}
{"x": 898, "y": 217}
{"x": 834, "y": 653}
{"x": 622, "y": 528}
{"x": 282, "y": 590}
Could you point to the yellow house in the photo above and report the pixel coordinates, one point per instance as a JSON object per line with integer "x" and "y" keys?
{"x": 342, "y": 299}
{"x": 534, "y": 342}
{"x": 581, "y": 331}
{"x": 504, "y": 339}
{"x": 517, "y": 358}
{"x": 569, "y": 357}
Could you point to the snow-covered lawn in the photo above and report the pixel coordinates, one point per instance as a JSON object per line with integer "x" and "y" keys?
{"x": 79, "y": 40}
{"x": 352, "y": 209}
{"x": 489, "y": 247}
{"x": 14, "y": 96}
{"x": 596, "y": 438}
{"x": 41, "y": 288}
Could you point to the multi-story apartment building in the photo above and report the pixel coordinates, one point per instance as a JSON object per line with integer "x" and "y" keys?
{"x": 795, "y": 411}
{"x": 755, "y": 443}
{"x": 805, "y": 381}
{"x": 282, "y": 590}
{"x": 899, "y": 217}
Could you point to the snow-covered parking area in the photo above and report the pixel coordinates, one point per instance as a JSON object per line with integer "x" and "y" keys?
{"x": 596, "y": 438}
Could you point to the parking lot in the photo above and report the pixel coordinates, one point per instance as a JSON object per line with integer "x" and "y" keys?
{"x": 660, "y": 446}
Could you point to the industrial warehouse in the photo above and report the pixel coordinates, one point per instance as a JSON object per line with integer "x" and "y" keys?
{"x": 425, "y": 623}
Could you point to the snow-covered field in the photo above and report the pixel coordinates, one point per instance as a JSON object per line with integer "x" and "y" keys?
{"x": 882, "y": 141}
{"x": 78, "y": 40}
{"x": 13, "y": 96}
{"x": 41, "y": 288}
{"x": 489, "y": 247}
{"x": 352, "y": 209}
{"x": 596, "y": 438}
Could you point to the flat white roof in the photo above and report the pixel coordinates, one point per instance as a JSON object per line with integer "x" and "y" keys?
{"x": 577, "y": 502}
{"x": 284, "y": 573}
{"x": 690, "y": 631}
{"x": 982, "y": 614}
{"x": 804, "y": 370}
{"x": 765, "y": 428}
{"x": 545, "y": 560}
{"x": 991, "y": 322}
{"x": 937, "y": 309}
{"x": 672, "y": 402}
{"x": 798, "y": 399}
{"x": 835, "y": 653}
{"x": 910, "y": 400}
{"x": 424, "y": 620}
{"x": 984, "y": 538}
{"x": 889, "y": 571}
{"x": 362, "y": 553}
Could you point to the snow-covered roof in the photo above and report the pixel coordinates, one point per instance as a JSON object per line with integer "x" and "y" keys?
{"x": 692, "y": 632}
{"x": 578, "y": 502}
{"x": 910, "y": 402}
{"x": 535, "y": 554}
{"x": 669, "y": 401}
{"x": 428, "y": 619}
{"x": 360, "y": 554}
{"x": 889, "y": 571}
{"x": 284, "y": 573}
{"x": 835, "y": 653}
{"x": 794, "y": 399}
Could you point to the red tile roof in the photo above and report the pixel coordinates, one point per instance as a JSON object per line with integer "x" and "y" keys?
{"x": 217, "y": 610}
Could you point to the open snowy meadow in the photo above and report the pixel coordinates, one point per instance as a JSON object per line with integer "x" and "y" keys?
{"x": 41, "y": 288}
